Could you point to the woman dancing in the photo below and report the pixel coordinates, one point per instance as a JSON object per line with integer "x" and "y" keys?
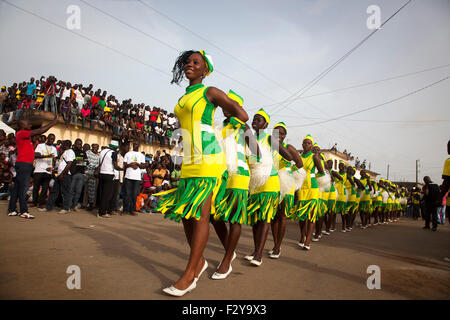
{"x": 308, "y": 195}
{"x": 233, "y": 207}
{"x": 264, "y": 199}
{"x": 285, "y": 173}
{"x": 203, "y": 171}
{"x": 342, "y": 197}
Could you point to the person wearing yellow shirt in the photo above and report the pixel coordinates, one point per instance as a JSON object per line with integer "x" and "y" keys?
{"x": 446, "y": 183}
{"x": 203, "y": 172}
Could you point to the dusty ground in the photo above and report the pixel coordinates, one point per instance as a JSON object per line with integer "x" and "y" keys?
{"x": 135, "y": 257}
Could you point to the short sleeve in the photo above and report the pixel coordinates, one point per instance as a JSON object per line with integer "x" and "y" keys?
{"x": 114, "y": 156}
{"x": 446, "y": 171}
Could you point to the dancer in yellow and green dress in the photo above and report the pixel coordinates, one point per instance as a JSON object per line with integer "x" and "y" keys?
{"x": 308, "y": 196}
{"x": 377, "y": 202}
{"x": 264, "y": 199}
{"x": 330, "y": 222}
{"x": 324, "y": 192}
{"x": 351, "y": 199}
{"x": 285, "y": 173}
{"x": 203, "y": 172}
{"x": 365, "y": 202}
{"x": 342, "y": 195}
{"x": 233, "y": 206}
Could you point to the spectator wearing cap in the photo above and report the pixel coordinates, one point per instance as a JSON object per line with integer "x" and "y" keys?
{"x": 108, "y": 163}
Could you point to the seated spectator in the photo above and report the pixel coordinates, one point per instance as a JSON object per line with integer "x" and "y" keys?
{"x": 85, "y": 116}
{"x": 158, "y": 176}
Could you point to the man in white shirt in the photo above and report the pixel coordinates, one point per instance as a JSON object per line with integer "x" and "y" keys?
{"x": 108, "y": 170}
{"x": 133, "y": 161}
{"x": 63, "y": 180}
{"x": 45, "y": 155}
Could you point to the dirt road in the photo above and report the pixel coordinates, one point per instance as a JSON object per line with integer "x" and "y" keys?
{"x": 128, "y": 257}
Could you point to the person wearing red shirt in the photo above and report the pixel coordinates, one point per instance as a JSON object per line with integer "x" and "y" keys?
{"x": 24, "y": 165}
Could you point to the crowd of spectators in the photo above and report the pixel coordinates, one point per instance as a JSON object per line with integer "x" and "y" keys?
{"x": 71, "y": 175}
{"x": 85, "y": 107}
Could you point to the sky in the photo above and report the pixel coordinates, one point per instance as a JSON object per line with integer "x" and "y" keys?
{"x": 267, "y": 52}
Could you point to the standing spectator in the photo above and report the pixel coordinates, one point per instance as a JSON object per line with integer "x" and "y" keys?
{"x": 85, "y": 112}
{"x": 50, "y": 94}
{"x": 134, "y": 161}
{"x": 24, "y": 165}
{"x": 91, "y": 179}
{"x": 415, "y": 200}
{"x": 63, "y": 181}
{"x": 108, "y": 163}
{"x": 74, "y": 112}
{"x": 45, "y": 155}
{"x": 446, "y": 182}
{"x": 31, "y": 88}
{"x": 432, "y": 202}
{"x": 153, "y": 117}
{"x": 77, "y": 171}
{"x": 3, "y": 96}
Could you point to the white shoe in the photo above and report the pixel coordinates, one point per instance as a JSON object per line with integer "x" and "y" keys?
{"x": 249, "y": 258}
{"x": 275, "y": 256}
{"x": 331, "y": 230}
{"x": 306, "y": 248}
{"x": 256, "y": 263}
{"x": 343, "y": 230}
{"x": 43, "y": 210}
{"x": 12, "y": 214}
{"x": 26, "y": 215}
{"x": 220, "y": 276}
{"x": 205, "y": 266}
{"x": 315, "y": 239}
{"x": 63, "y": 211}
{"x": 301, "y": 245}
{"x": 326, "y": 233}
{"x": 447, "y": 259}
{"x": 179, "y": 293}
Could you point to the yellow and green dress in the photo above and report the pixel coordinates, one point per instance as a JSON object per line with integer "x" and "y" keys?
{"x": 351, "y": 202}
{"x": 287, "y": 168}
{"x": 308, "y": 195}
{"x": 365, "y": 202}
{"x": 377, "y": 199}
{"x": 264, "y": 200}
{"x": 332, "y": 196}
{"x": 236, "y": 192}
{"x": 323, "y": 193}
{"x": 203, "y": 171}
{"x": 341, "y": 203}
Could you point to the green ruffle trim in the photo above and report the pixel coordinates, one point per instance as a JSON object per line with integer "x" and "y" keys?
{"x": 364, "y": 206}
{"x": 322, "y": 209}
{"x": 288, "y": 202}
{"x": 341, "y": 207}
{"x": 307, "y": 209}
{"x": 233, "y": 198}
{"x": 262, "y": 207}
{"x": 331, "y": 206}
{"x": 187, "y": 200}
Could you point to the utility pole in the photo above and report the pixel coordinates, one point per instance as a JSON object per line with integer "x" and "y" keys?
{"x": 387, "y": 172}
{"x": 417, "y": 171}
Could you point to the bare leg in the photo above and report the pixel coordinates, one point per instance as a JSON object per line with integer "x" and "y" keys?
{"x": 199, "y": 237}
{"x": 262, "y": 231}
{"x": 302, "y": 225}
{"x": 221, "y": 230}
{"x": 310, "y": 228}
{"x": 233, "y": 238}
{"x": 344, "y": 221}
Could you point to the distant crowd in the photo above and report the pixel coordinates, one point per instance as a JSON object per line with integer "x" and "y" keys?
{"x": 81, "y": 106}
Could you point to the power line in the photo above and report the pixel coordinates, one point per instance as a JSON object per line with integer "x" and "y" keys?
{"x": 368, "y": 83}
{"x": 169, "y": 46}
{"x": 376, "y": 106}
{"x": 87, "y": 38}
{"x": 214, "y": 45}
{"x": 310, "y": 84}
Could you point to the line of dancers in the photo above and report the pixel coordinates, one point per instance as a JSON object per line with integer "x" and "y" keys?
{"x": 233, "y": 174}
